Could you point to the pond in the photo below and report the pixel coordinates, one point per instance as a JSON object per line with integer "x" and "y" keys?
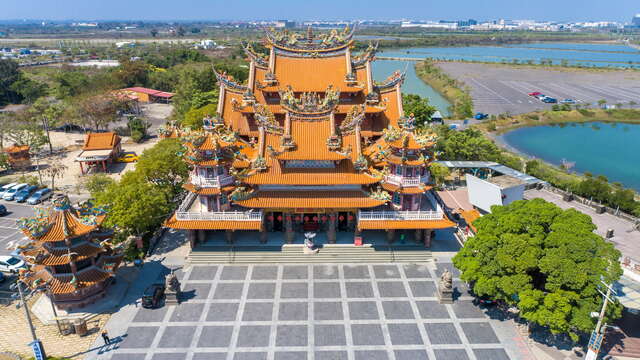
{"x": 609, "y": 149}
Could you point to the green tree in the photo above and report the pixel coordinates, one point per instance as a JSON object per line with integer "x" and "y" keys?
{"x": 602, "y": 103}
{"x": 9, "y": 74}
{"x": 29, "y": 90}
{"x": 419, "y": 107}
{"x": 546, "y": 261}
{"x": 162, "y": 165}
{"x": 97, "y": 183}
{"x": 468, "y": 144}
{"x": 193, "y": 118}
{"x": 132, "y": 73}
{"x": 69, "y": 82}
{"x": 439, "y": 172}
{"x": 48, "y": 114}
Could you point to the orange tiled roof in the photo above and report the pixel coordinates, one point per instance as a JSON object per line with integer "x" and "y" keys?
{"x": 212, "y": 225}
{"x": 85, "y": 250}
{"x": 207, "y": 190}
{"x": 470, "y": 216}
{"x": 17, "y": 149}
{"x": 101, "y": 141}
{"x": 311, "y": 142}
{"x": 310, "y": 199}
{"x": 406, "y": 190}
{"x": 404, "y": 224}
{"x": 61, "y": 283}
{"x": 312, "y": 74}
{"x": 343, "y": 174}
{"x": 64, "y": 224}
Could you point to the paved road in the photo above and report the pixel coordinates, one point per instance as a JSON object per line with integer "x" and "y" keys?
{"x": 356, "y": 312}
{"x": 9, "y": 232}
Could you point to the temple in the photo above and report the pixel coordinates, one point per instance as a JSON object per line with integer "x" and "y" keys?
{"x": 69, "y": 255}
{"x": 309, "y": 143}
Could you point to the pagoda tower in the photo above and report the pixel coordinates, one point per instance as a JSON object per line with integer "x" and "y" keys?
{"x": 69, "y": 254}
{"x": 317, "y": 145}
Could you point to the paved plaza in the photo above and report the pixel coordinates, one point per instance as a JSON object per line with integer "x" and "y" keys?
{"x": 9, "y": 233}
{"x": 321, "y": 312}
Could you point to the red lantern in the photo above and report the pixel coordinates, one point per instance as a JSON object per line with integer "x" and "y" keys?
{"x": 315, "y": 218}
{"x": 350, "y": 217}
{"x": 324, "y": 218}
{"x": 288, "y": 217}
{"x": 279, "y": 217}
{"x": 297, "y": 218}
{"x": 306, "y": 218}
{"x": 332, "y": 217}
{"x": 341, "y": 218}
{"x": 270, "y": 217}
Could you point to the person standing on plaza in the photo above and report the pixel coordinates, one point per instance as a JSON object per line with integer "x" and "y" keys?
{"x": 105, "y": 337}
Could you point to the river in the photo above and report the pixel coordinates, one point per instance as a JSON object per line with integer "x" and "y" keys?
{"x": 609, "y": 149}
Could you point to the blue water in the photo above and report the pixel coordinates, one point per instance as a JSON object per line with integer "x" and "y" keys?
{"x": 592, "y": 55}
{"x": 600, "y": 148}
{"x": 382, "y": 69}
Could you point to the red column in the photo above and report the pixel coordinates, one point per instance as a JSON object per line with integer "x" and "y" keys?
{"x": 81, "y": 168}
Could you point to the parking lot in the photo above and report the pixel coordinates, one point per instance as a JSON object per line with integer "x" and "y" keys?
{"x": 497, "y": 89}
{"x": 296, "y": 312}
{"x": 9, "y": 232}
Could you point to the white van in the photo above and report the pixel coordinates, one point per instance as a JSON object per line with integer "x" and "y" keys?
{"x": 6, "y": 187}
{"x": 11, "y": 193}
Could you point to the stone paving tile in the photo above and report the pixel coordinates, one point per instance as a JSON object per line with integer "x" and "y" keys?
{"x": 327, "y": 311}
{"x": 177, "y": 337}
{"x": 441, "y": 266}
{"x": 386, "y": 271}
{"x": 396, "y": 310}
{"x": 479, "y": 333}
{"x": 294, "y": 291}
{"x": 432, "y": 310}
{"x": 293, "y": 311}
{"x": 411, "y": 355}
{"x": 258, "y": 311}
{"x": 442, "y": 333}
{"x": 359, "y": 290}
{"x": 127, "y": 356}
{"x": 222, "y": 312}
{"x": 292, "y": 272}
{"x": 290, "y": 355}
{"x": 187, "y": 312}
{"x": 452, "y": 354}
{"x": 331, "y": 355}
{"x": 363, "y": 310}
{"x": 329, "y": 335}
{"x": 228, "y": 291}
{"x": 209, "y": 356}
{"x": 253, "y": 336}
{"x": 493, "y": 354}
{"x": 371, "y": 355}
{"x": 391, "y": 289}
{"x": 291, "y": 335}
{"x": 169, "y": 356}
{"x": 203, "y": 272}
{"x": 325, "y": 290}
{"x": 356, "y": 272}
{"x": 367, "y": 334}
{"x": 416, "y": 271}
{"x": 234, "y": 273}
{"x": 405, "y": 334}
{"x": 422, "y": 288}
{"x": 215, "y": 336}
{"x": 465, "y": 309}
{"x": 196, "y": 291}
{"x": 261, "y": 291}
{"x": 250, "y": 356}
{"x": 264, "y": 272}
{"x": 150, "y": 315}
{"x": 325, "y": 272}
{"x": 139, "y": 337}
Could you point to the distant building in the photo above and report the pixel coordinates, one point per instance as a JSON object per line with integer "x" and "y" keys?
{"x": 284, "y": 24}
{"x": 19, "y": 157}
{"x": 497, "y": 190}
{"x": 636, "y": 20}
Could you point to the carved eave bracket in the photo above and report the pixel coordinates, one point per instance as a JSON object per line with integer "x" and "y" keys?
{"x": 334, "y": 142}
{"x": 287, "y": 142}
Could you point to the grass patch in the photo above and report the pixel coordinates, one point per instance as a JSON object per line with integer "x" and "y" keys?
{"x": 456, "y": 92}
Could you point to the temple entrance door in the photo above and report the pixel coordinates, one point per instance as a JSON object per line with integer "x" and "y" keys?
{"x": 310, "y": 222}
{"x": 278, "y": 224}
{"x": 343, "y": 222}
{"x": 407, "y": 202}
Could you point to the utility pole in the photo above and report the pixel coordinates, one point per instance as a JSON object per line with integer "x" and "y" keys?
{"x": 36, "y": 344}
{"x": 596, "y": 336}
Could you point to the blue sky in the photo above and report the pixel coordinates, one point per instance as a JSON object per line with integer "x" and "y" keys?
{"x": 618, "y": 10}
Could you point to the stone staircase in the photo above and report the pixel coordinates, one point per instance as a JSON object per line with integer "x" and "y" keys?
{"x": 294, "y": 254}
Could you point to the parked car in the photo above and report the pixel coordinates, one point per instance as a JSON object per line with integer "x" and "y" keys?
{"x": 535, "y": 93}
{"x": 2, "y": 277}
{"x": 152, "y": 296}
{"x": 128, "y": 157}
{"x": 568, "y": 101}
{"x": 10, "y": 194}
{"x": 549, "y": 100}
{"x": 3, "y": 210}
{"x": 540, "y": 96}
{"x": 11, "y": 264}
{"x": 24, "y": 194}
{"x": 39, "y": 196}
{"x": 6, "y": 187}
{"x": 481, "y": 116}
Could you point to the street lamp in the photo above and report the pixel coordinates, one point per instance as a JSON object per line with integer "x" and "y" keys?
{"x": 36, "y": 344}
{"x": 597, "y": 335}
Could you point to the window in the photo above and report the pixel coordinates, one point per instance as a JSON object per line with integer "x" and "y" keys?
{"x": 309, "y": 164}
{"x": 399, "y": 170}
{"x": 220, "y": 170}
{"x": 396, "y": 198}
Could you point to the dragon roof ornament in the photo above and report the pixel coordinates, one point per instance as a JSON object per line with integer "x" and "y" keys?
{"x": 354, "y": 117}
{"x": 310, "y": 102}
{"x": 395, "y": 78}
{"x": 228, "y": 81}
{"x": 257, "y": 58}
{"x": 368, "y": 55}
{"x": 264, "y": 117}
{"x": 297, "y": 42}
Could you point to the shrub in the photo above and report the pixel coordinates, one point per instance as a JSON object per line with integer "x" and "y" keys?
{"x": 137, "y": 136}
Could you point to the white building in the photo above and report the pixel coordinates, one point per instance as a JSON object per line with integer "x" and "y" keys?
{"x": 497, "y": 190}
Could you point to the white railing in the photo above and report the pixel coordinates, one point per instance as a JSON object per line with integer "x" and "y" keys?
{"x": 221, "y": 215}
{"x": 403, "y": 181}
{"x": 400, "y": 215}
{"x": 216, "y": 181}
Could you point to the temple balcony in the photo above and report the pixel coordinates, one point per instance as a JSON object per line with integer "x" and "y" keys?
{"x": 405, "y": 181}
{"x": 400, "y": 215}
{"x": 214, "y": 181}
{"x": 192, "y": 209}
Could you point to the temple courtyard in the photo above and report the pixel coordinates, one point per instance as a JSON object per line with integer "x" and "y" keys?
{"x": 325, "y": 311}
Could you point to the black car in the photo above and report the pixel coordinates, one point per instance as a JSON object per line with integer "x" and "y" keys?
{"x": 152, "y": 296}
{"x": 3, "y": 210}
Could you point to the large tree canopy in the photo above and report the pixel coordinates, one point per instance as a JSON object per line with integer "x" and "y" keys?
{"x": 419, "y": 107}
{"x": 546, "y": 261}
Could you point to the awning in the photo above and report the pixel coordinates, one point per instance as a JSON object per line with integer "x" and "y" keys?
{"x": 94, "y": 155}
{"x": 628, "y": 293}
